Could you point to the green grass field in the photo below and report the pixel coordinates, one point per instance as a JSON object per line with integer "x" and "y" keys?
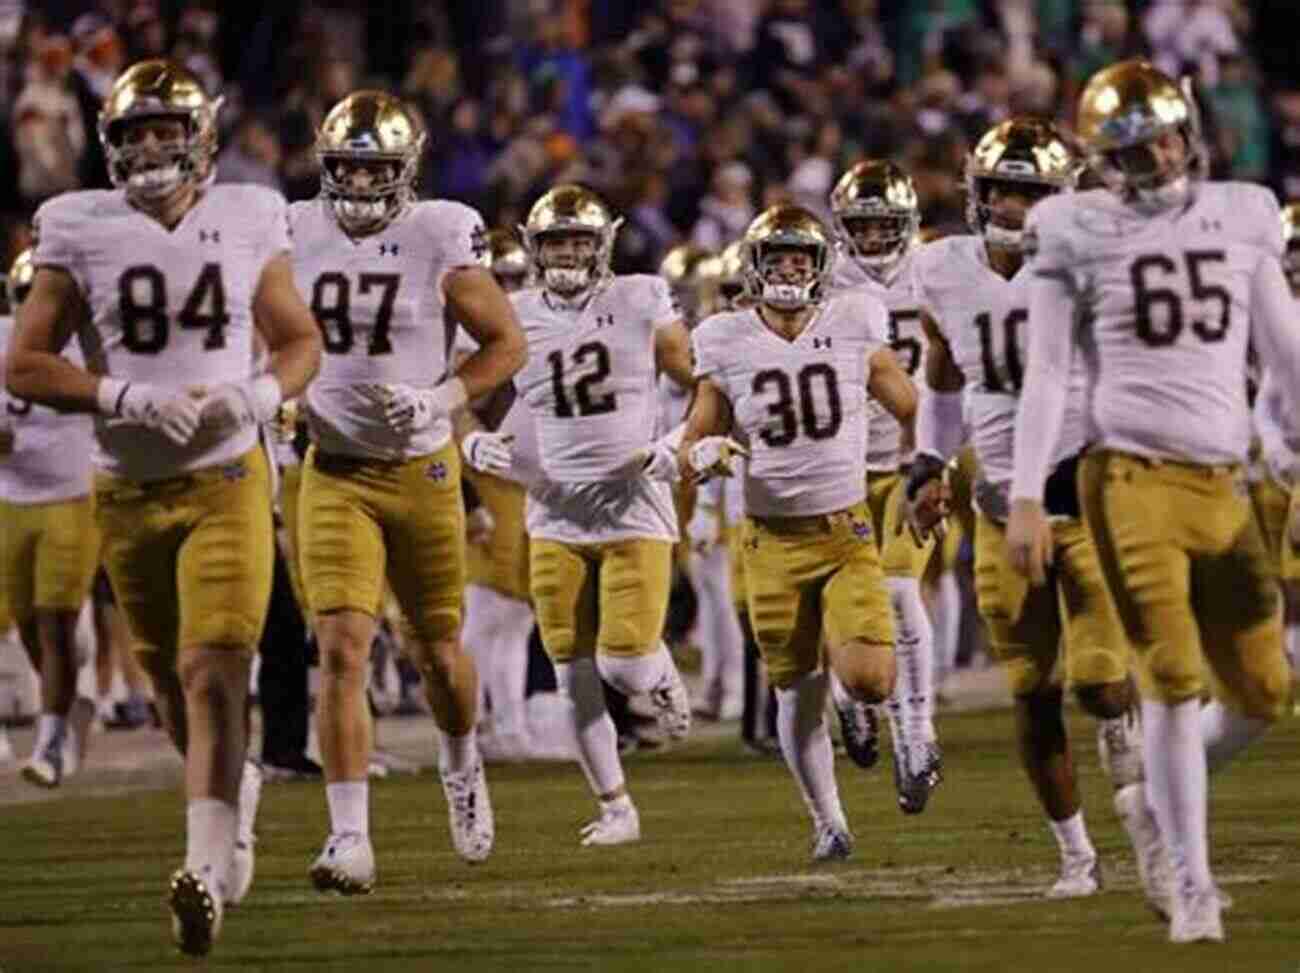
{"x": 721, "y": 881}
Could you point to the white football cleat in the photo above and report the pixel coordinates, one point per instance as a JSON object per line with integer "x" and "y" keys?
{"x": 196, "y": 909}
{"x": 44, "y": 769}
{"x": 671, "y": 703}
{"x": 1154, "y": 868}
{"x": 469, "y": 810}
{"x": 1080, "y": 876}
{"x": 1197, "y": 917}
{"x": 346, "y": 865}
{"x": 240, "y": 876}
{"x": 615, "y": 826}
{"x": 831, "y": 843}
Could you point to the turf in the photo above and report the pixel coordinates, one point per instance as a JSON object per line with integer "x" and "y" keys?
{"x": 722, "y": 880}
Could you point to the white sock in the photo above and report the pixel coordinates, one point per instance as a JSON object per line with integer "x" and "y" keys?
{"x": 617, "y": 805}
{"x": 1119, "y": 748}
{"x": 1291, "y": 639}
{"x": 914, "y": 657}
{"x": 1072, "y": 837}
{"x": 210, "y": 839}
{"x": 481, "y": 634}
{"x": 1226, "y": 733}
{"x": 806, "y": 746}
{"x": 456, "y": 754}
{"x": 248, "y": 809}
{"x": 728, "y": 639}
{"x": 349, "y": 802}
{"x": 507, "y": 670}
{"x": 947, "y": 624}
{"x": 1177, "y": 787}
{"x": 597, "y": 740}
{"x": 50, "y": 730}
{"x": 634, "y": 675}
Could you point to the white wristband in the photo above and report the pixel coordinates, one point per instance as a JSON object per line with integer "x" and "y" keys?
{"x": 108, "y": 395}
{"x": 449, "y": 396}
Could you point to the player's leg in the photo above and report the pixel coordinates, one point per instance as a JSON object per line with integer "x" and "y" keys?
{"x": 720, "y": 637}
{"x": 783, "y": 565}
{"x": 1024, "y": 637}
{"x": 20, "y": 534}
{"x": 1098, "y": 660}
{"x": 1140, "y": 516}
{"x": 426, "y": 568}
{"x": 563, "y": 579}
{"x": 342, "y": 561}
{"x": 633, "y": 582}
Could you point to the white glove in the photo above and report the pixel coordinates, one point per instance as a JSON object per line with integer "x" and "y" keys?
{"x": 173, "y": 412}
{"x": 713, "y": 455}
{"x": 479, "y": 525}
{"x": 489, "y": 452}
{"x": 409, "y": 410}
{"x": 233, "y": 406}
{"x": 705, "y": 528}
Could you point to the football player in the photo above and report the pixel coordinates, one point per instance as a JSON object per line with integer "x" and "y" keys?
{"x": 600, "y": 525}
{"x": 975, "y": 291}
{"x": 165, "y": 279}
{"x": 498, "y": 612}
{"x": 877, "y": 219}
{"x": 48, "y": 552}
{"x": 1172, "y": 278}
{"x": 789, "y": 377}
{"x": 388, "y": 279}
{"x": 693, "y": 274}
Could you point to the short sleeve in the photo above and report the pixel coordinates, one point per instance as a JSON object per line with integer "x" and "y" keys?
{"x": 703, "y": 354}
{"x": 662, "y": 308}
{"x": 57, "y": 226}
{"x": 1046, "y": 246}
{"x": 1265, "y": 227}
{"x": 461, "y": 235}
{"x": 274, "y": 239}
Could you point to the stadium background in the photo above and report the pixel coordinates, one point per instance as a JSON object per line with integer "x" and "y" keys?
{"x": 687, "y": 115}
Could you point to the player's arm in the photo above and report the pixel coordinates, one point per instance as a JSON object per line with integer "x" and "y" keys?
{"x": 287, "y": 327}
{"x": 34, "y": 368}
{"x": 477, "y": 301}
{"x": 891, "y": 387}
{"x": 673, "y": 353}
{"x": 1272, "y": 322}
{"x": 705, "y": 448}
{"x": 1039, "y": 418}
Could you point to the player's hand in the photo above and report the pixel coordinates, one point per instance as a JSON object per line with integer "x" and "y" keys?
{"x": 284, "y": 427}
{"x": 409, "y": 410}
{"x": 489, "y": 452}
{"x": 712, "y": 456}
{"x": 479, "y": 525}
{"x": 1029, "y": 540}
{"x": 656, "y": 461}
{"x": 175, "y": 413}
{"x": 704, "y": 529}
{"x": 236, "y": 405}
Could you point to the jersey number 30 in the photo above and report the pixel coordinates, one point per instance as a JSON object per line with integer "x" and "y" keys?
{"x": 783, "y": 410}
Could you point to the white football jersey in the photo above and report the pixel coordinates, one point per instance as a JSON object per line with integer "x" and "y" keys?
{"x": 51, "y": 453}
{"x": 172, "y": 308}
{"x": 801, "y": 405}
{"x": 906, "y": 338}
{"x": 590, "y": 387}
{"x": 378, "y": 300}
{"x": 1168, "y": 323}
{"x": 982, "y": 316}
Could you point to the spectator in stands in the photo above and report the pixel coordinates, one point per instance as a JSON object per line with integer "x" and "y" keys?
{"x": 48, "y": 133}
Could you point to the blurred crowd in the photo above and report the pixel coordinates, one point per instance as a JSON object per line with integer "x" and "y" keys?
{"x": 687, "y": 115}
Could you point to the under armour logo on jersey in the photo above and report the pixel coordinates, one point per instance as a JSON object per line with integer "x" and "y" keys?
{"x": 386, "y": 248}
{"x": 604, "y": 320}
{"x": 1211, "y": 226}
{"x": 437, "y": 471}
{"x": 821, "y": 342}
{"x": 206, "y": 236}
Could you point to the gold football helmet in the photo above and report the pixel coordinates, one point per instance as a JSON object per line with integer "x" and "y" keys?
{"x": 506, "y": 257}
{"x": 19, "y": 281}
{"x": 1029, "y": 152}
{"x": 876, "y": 214}
{"x": 158, "y": 89}
{"x": 369, "y": 148}
{"x": 1291, "y": 240}
{"x": 731, "y": 276}
{"x": 692, "y": 274}
{"x": 570, "y": 210}
{"x": 1122, "y": 109}
{"x": 786, "y": 227}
